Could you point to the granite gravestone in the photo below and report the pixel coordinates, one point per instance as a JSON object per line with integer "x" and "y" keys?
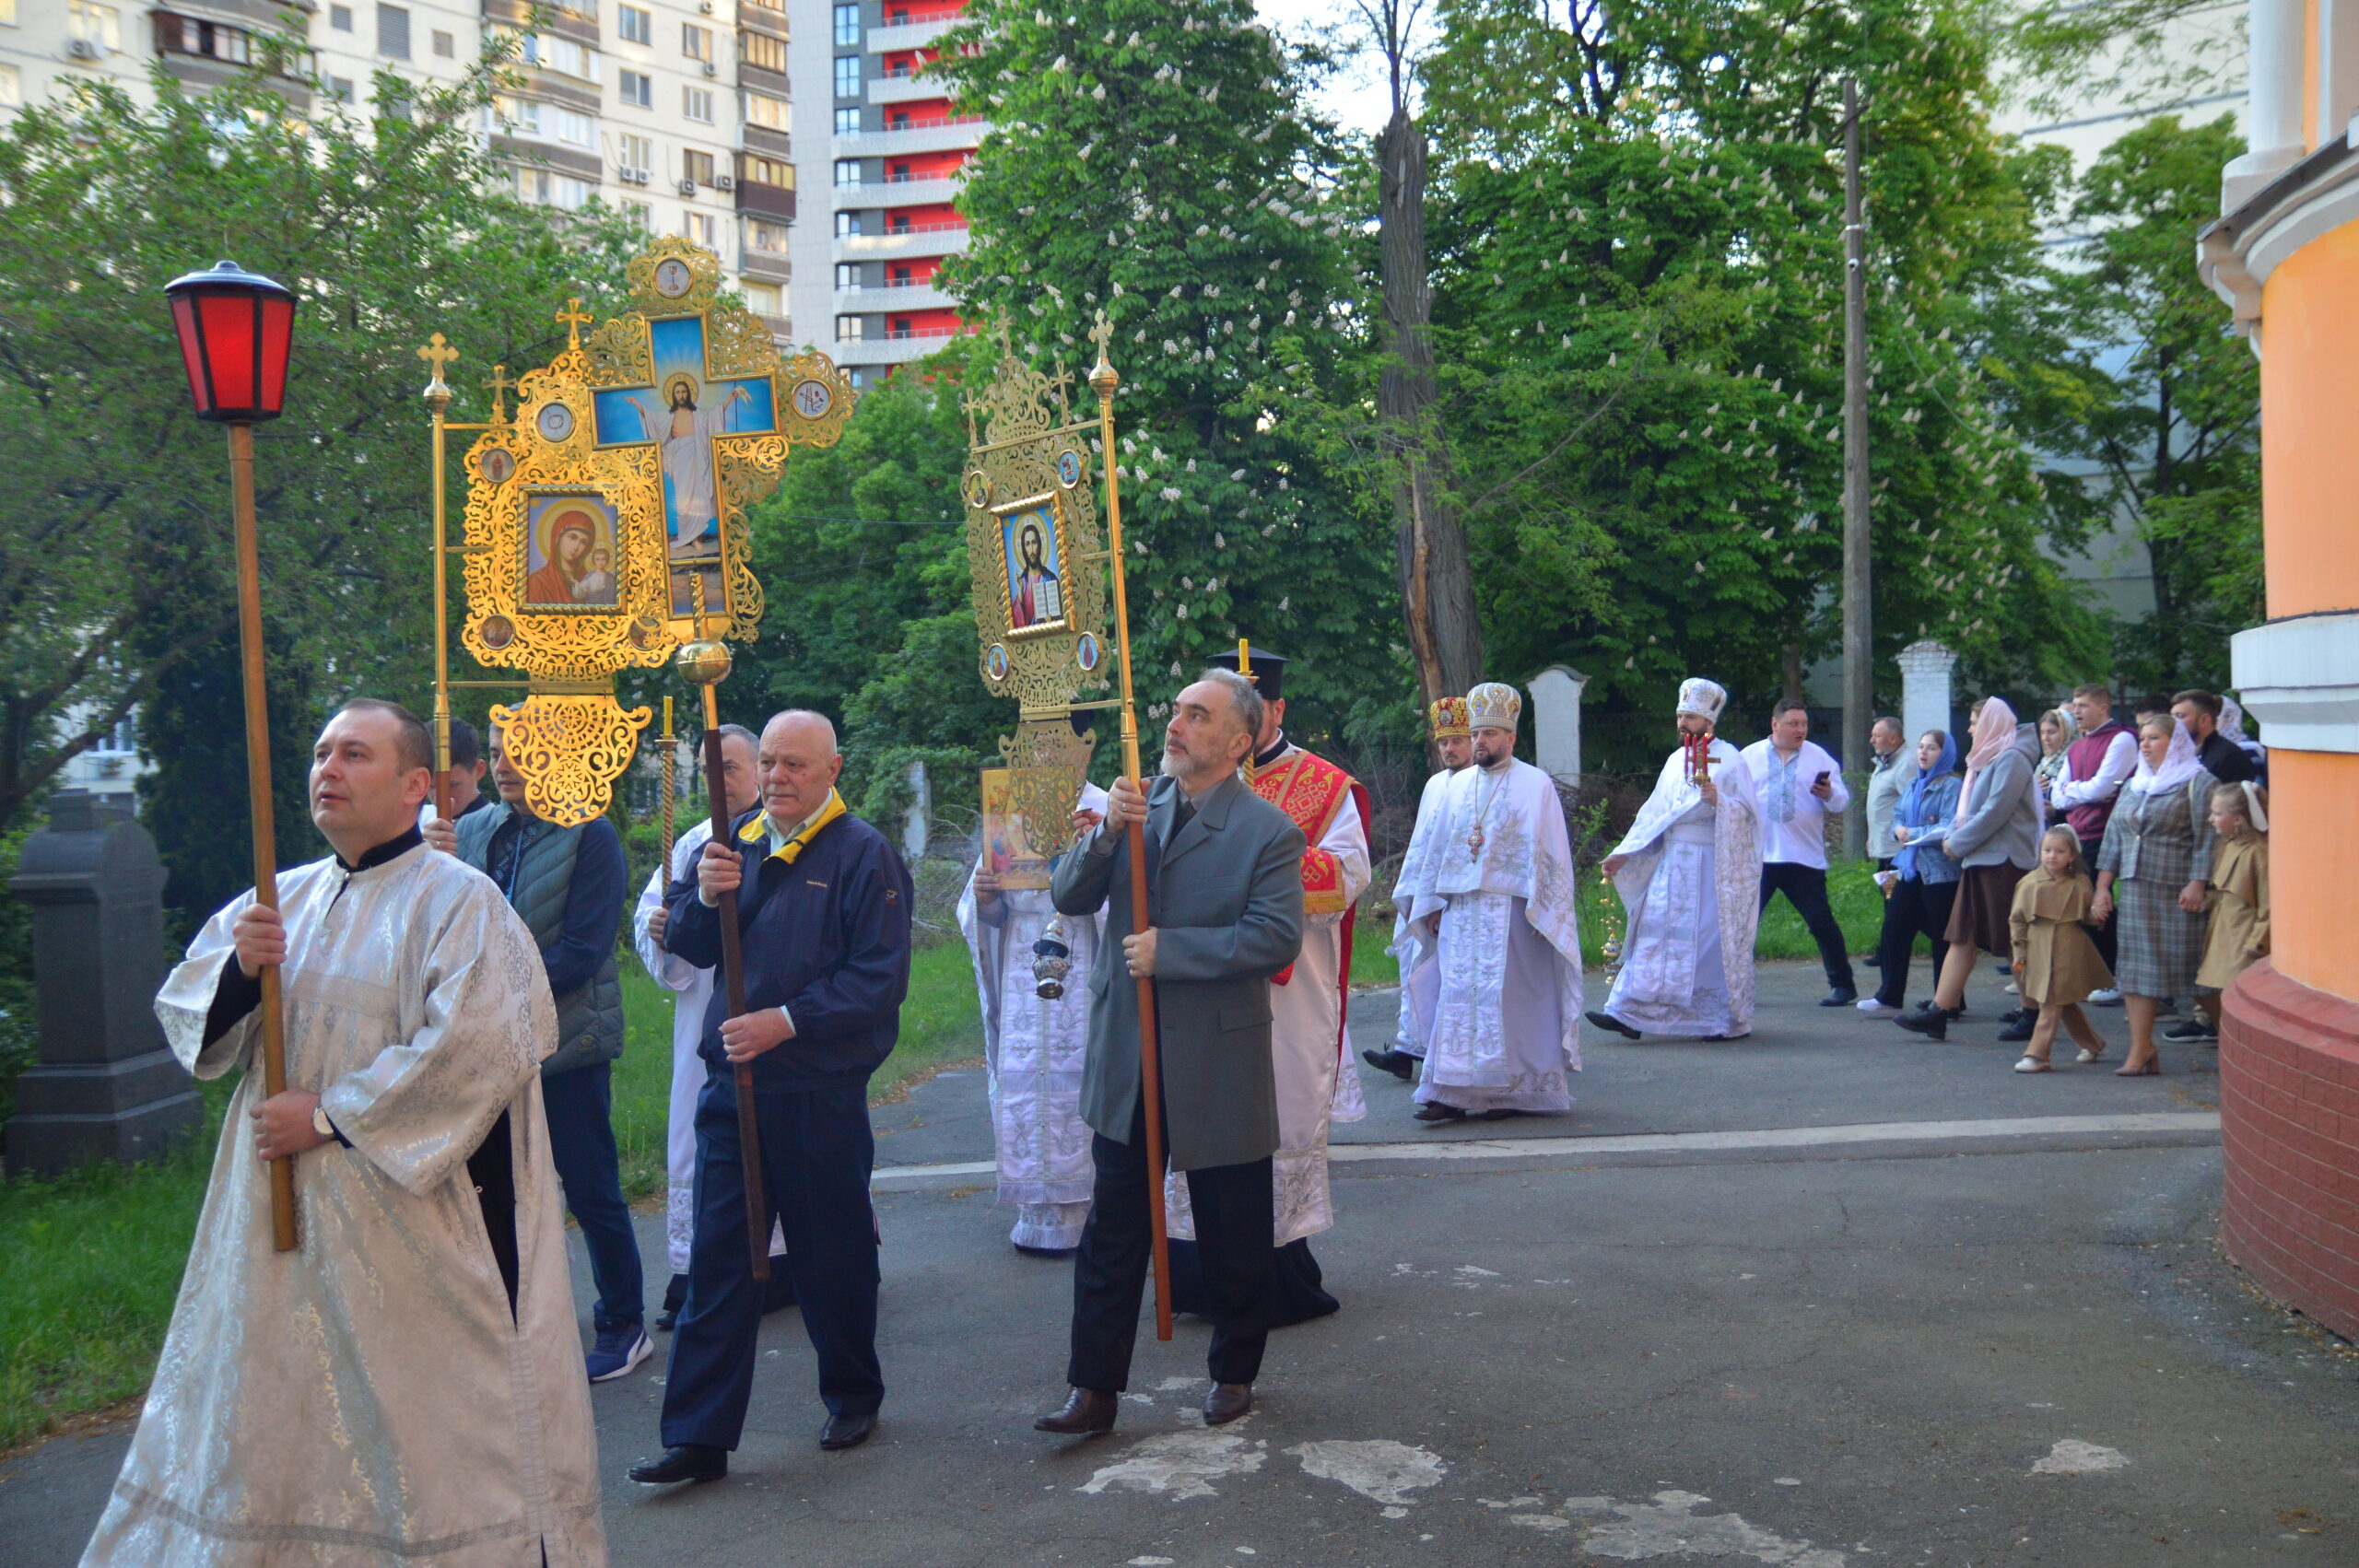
{"x": 106, "y": 1086}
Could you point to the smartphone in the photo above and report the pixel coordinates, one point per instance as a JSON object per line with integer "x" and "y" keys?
{"x": 1822, "y": 777}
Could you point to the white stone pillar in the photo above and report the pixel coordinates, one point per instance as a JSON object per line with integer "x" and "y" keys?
{"x": 919, "y": 820}
{"x": 2338, "y": 67}
{"x": 1925, "y": 688}
{"x": 2276, "y": 95}
{"x": 1557, "y": 721}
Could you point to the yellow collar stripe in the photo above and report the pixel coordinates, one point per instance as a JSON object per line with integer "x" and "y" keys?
{"x": 758, "y": 828}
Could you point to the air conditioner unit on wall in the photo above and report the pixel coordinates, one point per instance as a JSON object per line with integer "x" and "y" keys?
{"x": 687, "y": 187}
{"x": 711, "y": 69}
{"x": 724, "y": 182}
{"x": 639, "y": 177}
{"x": 82, "y": 48}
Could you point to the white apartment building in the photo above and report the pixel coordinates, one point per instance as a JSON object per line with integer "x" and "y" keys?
{"x": 893, "y": 148}
{"x": 676, "y": 111}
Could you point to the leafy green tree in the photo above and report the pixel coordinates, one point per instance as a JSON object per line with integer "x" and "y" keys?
{"x": 1154, "y": 160}
{"x": 2172, "y": 419}
{"x": 1637, "y": 242}
{"x": 114, "y": 539}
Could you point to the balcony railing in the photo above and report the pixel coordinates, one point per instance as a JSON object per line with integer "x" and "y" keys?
{"x": 958, "y": 227}
{"x": 926, "y": 123}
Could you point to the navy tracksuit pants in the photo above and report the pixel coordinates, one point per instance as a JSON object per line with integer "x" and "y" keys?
{"x": 816, "y": 1155}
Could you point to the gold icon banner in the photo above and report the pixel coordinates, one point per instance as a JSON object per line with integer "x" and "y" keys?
{"x": 605, "y": 521}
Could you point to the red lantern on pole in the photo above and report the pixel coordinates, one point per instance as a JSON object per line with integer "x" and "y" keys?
{"x": 235, "y": 331}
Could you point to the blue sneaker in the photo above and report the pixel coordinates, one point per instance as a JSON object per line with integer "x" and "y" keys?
{"x": 617, "y": 1351}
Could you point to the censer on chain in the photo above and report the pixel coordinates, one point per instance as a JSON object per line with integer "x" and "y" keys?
{"x": 1051, "y": 961}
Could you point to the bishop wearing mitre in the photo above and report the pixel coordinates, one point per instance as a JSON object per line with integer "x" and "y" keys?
{"x": 1491, "y": 904}
{"x": 1689, "y": 873}
{"x": 405, "y": 1386}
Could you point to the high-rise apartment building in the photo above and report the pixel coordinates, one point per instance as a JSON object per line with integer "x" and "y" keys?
{"x": 894, "y": 152}
{"x": 676, "y": 112}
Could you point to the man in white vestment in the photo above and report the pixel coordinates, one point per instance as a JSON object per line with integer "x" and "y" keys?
{"x": 1317, "y": 1084}
{"x": 693, "y": 987}
{"x": 1493, "y": 905}
{"x": 1689, "y": 873}
{"x": 1034, "y": 1046}
{"x": 1420, "y": 985}
{"x": 405, "y": 1388}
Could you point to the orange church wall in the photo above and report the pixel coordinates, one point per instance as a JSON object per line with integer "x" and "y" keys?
{"x": 2309, "y": 384}
{"x": 2313, "y": 866}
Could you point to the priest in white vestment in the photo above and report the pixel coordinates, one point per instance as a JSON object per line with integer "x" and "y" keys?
{"x": 1420, "y": 985}
{"x": 1493, "y": 905}
{"x": 1689, "y": 873}
{"x": 692, "y": 989}
{"x": 405, "y": 1387}
{"x": 1034, "y": 1047}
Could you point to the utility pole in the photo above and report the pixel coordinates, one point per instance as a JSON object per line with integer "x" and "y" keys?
{"x": 1859, "y": 638}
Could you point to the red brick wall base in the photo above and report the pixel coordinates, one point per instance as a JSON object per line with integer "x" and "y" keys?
{"x": 2289, "y": 1112}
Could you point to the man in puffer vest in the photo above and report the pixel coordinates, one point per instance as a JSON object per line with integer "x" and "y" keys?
{"x": 568, "y": 883}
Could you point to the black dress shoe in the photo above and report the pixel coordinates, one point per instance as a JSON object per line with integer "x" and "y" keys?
{"x": 847, "y": 1432}
{"x": 2020, "y": 1030}
{"x": 1227, "y": 1402}
{"x": 1085, "y": 1413}
{"x": 689, "y": 1462}
{"x": 1612, "y": 1024}
{"x": 1437, "y": 1111}
{"x": 1934, "y": 1025}
{"x": 1842, "y": 996}
{"x": 1400, "y": 1064}
{"x": 1500, "y": 1113}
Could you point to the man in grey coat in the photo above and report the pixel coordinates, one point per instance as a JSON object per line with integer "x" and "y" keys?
{"x": 1225, "y": 914}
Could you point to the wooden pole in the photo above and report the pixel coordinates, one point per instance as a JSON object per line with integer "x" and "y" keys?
{"x": 1858, "y": 640}
{"x": 732, "y": 969}
{"x": 1103, "y": 379}
{"x": 442, "y": 802}
{"x": 273, "y": 1018}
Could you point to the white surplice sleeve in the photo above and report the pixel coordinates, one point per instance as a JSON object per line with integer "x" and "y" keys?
{"x": 667, "y": 968}
{"x": 187, "y": 997}
{"x": 424, "y": 1103}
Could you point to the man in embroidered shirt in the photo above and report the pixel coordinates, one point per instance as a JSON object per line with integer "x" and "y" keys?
{"x": 823, "y": 913}
{"x": 2095, "y": 769}
{"x": 1799, "y": 784}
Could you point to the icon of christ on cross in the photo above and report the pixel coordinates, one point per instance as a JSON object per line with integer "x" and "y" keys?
{"x": 681, "y": 413}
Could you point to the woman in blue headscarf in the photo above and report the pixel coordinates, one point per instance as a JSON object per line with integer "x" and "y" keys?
{"x": 1923, "y": 879}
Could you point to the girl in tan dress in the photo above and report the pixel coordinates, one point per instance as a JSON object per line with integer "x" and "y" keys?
{"x": 2239, "y": 930}
{"x": 2056, "y": 964}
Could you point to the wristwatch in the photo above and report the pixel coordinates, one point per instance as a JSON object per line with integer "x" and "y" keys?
{"x": 322, "y": 1125}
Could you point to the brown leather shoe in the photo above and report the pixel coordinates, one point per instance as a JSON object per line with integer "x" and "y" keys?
{"x": 1085, "y": 1413}
{"x": 1227, "y": 1402}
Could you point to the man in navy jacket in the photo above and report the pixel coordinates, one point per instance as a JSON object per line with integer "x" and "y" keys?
{"x": 823, "y": 912}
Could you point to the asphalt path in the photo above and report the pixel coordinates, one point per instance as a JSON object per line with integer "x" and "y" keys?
{"x": 1831, "y": 1297}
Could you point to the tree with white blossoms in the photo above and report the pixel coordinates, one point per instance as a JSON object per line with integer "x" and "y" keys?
{"x": 1154, "y": 160}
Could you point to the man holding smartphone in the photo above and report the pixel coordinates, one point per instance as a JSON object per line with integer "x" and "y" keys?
{"x": 1799, "y": 784}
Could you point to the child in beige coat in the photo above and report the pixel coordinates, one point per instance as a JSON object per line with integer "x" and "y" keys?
{"x": 2056, "y": 963}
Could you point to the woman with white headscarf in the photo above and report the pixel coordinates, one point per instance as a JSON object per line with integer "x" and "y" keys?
{"x": 1995, "y": 839}
{"x": 2154, "y": 874}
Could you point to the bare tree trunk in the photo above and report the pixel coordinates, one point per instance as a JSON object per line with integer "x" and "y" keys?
{"x": 1790, "y": 671}
{"x": 1436, "y": 580}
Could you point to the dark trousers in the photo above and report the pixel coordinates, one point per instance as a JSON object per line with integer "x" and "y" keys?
{"x": 816, "y": 1154}
{"x": 1805, "y": 889}
{"x": 1915, "y": 908}
{"x": 581, "y": 1145}
{"x": 1235, "y": 1252}
{"x": 2108, "y": 936}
